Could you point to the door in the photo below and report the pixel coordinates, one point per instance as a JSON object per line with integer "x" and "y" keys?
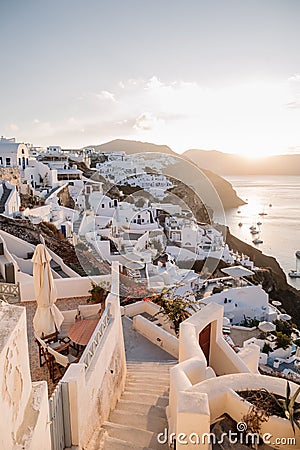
{"x": 204, "y": 341}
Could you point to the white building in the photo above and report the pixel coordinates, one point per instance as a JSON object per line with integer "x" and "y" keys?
{"x": 183, "y": 231}
{"x": 248, "y": 301}
{"x": 13, "y": 154}
{"x": 39, "y": 175}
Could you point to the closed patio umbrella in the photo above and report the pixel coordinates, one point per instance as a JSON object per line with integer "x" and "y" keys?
{"x": 48, "y": 317}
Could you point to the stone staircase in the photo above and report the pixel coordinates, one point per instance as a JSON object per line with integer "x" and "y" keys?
{"x": 140, "y": 414}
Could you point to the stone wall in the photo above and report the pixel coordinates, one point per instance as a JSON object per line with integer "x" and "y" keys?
{"x": 65, "y": 198}
{"x": 11, "y": 174}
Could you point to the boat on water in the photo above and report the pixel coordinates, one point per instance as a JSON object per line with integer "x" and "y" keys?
{"x": 257, "y": 241}
{"x": 270, "y": 205}
{"x": 252, "y": 227}
{"x": 254, "y": 231}
{"x": 263, "y": 214}
{"x": 240, "y": 224}
{"x": 259, "y": 223}
{"x": 239, "y": 212}
{"x": 296, "y": 273}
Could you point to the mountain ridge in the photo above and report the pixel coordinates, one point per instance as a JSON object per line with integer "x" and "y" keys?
{"x": 230, "y": 164}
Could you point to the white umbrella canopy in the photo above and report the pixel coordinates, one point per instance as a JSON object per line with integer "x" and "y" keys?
{"x": 48, "y": 317}
{"x": 284, "y": 317}
{"x": 267, "y": 327}
{"x": 276, "y": 303}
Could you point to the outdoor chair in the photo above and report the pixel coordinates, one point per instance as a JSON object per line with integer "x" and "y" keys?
{"x": 50, "y": 338}
{"x": 59, "y": 360}
{"x": 42, "y": 345}
{"x": 70, "y": 317}
{"x": 89, "y": 311}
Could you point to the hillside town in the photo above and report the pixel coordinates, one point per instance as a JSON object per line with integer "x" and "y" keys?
{"x": 123, "y": 314}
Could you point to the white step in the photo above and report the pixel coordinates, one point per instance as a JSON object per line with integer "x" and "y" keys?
{"x": 144, "y": 422}
{"x": 148, "y": 378}
{"x": 149, "y": 373}
{"x": 149, "y": 366}
{"x": 150, "y": 399}
{"x": 140, "y": 408}
{"x": 134, "y": 435}
{"x": 158, "y": 390}
{"x": 97, "y": 440}
{"x": 111, "y": 443}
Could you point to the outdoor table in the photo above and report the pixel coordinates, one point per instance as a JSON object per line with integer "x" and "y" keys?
{"x": 81, "y": 331}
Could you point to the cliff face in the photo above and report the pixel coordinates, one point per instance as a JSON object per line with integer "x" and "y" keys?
{"x": 191, "y": 199}
{"x": 227, "y": 194}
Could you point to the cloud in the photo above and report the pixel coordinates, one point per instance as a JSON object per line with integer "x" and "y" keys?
{"x": 106, "y": 95}
{"x": 146, "y": 121}
{"x": 293, "y": 105}
{"x": 254, "y": 116}
{"x": 14, "y": 127}
{"x": 295, "y": 77}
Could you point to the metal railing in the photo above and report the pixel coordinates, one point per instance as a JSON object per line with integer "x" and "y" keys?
{"x": 10, "y": 292}
{"x": 96, "y": 338}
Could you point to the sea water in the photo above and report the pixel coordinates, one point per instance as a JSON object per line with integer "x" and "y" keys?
{"x": 278, "y": 197}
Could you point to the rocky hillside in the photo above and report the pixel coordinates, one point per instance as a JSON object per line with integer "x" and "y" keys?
{"x": 181, "y": 170}
{"x": 54, "y": 240}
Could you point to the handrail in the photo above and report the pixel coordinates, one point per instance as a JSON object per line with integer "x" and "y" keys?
{"x": 96, "y": 338}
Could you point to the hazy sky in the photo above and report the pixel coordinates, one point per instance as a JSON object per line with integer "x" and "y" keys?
{"x": 191, "y": 74}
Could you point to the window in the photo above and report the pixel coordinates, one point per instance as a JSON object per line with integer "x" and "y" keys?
{"x": 8, "y": 161}
{"x": 22, "y": 151}
{"x": 19, "y": 161}
{"x": 1, "y": 161}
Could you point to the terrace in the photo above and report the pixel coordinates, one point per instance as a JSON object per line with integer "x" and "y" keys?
{"x": 41, "y": 373}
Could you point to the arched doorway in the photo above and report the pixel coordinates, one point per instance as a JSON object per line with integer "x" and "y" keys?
{"x": 204, "y": 341}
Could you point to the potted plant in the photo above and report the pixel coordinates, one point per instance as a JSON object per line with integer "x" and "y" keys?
{"x": 265, "y": 404}
{"x": 98, "y": 294}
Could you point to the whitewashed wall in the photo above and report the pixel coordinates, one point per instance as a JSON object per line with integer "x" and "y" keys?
{"x": 24, "y": 420}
